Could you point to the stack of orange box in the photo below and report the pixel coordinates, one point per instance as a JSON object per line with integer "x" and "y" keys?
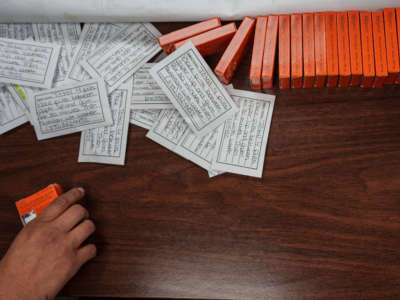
{"x": 322, "y": 49}
{"x": 329, "y": 49}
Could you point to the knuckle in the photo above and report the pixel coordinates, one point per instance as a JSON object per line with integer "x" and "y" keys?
{"x": 75, "y": 193}
{"x": 50, "y": 234}
{"x": 90, "y": 225}
{"x": 80, "y": 210}
{"x": 61, "y": 201}
{"x": 92, "y": 250}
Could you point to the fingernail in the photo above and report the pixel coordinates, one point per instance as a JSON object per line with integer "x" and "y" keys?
{"x": 81, "y": 189}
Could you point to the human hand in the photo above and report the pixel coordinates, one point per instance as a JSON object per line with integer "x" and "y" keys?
{"x": 47, "y": 252}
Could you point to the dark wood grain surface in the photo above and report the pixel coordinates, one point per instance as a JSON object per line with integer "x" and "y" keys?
{"x": 322, "y": 223}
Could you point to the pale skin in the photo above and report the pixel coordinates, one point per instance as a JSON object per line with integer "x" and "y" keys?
{"x": 48, "y": 251}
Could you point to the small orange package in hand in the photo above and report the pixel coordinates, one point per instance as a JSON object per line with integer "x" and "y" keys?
{"x": 30, "y": 207}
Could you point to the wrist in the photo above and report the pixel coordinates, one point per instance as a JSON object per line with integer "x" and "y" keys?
{"x": 14, "y": 288}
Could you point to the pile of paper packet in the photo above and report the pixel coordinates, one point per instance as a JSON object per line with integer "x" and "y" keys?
{"x": 97, "y": 80}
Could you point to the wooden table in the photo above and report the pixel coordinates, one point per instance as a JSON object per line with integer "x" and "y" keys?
{"x": 323, "y": 222}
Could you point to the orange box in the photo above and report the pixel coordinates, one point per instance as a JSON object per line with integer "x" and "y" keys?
{"x": 29, "y": 208}
{"x": 392, "y": 47}
{"x": 212, "y": 41}
{"x": 271, "y": 39}
{"x": 296, "y": 46}
{"x": 233, "y": 54}
{"x": 168, "y": 40}
{"x": 320, "y": 49}
{"x": 367, "y": 43}
{"x": 284, "y": 51}
{"x": 355, "y": 48}
{"x": 343, "y": 49}
{"x": 381, "y": 67}
{"x": 398, "y": 36}
{"x": 258, "y": 52}
{"x": 308, "y": 50}
{"x": 332, "y": 49}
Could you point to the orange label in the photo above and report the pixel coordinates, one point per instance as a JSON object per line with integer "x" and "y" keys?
{"x": 355, "y": 48}
{"x": 392, "y": 47}
{"x": 332, "y": 49}
{"x": 271, "y": 38}
{"x": 343, "y": 49}
{"x": 367, "y": 49}
{"x": 284, "y": 51}
{"x": 379, "y": 48}
{"x": 320, "y": 49}
{"x": 296, "y": 32}
{"x": 258, "y": 52}
{"x": 308, "y": 50}
{"x": 29, "y": 208}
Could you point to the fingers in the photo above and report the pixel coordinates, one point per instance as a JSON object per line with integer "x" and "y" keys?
{"x": 58, "y": 206}
{"x": 71, "y": 217}
{"x": 81, "y": 232}
{"x": 86, "y": 253}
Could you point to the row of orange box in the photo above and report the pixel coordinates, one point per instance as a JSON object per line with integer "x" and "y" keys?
{"x": 327, "y": 49}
